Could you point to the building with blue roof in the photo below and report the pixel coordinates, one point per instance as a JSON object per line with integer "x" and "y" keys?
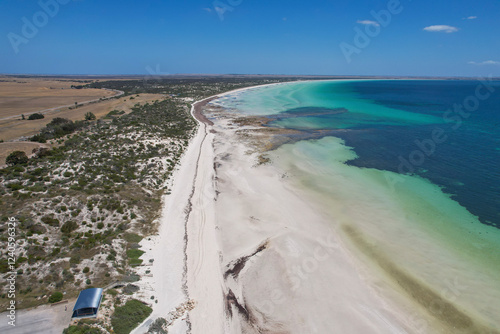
{"x": 87, "y": 304}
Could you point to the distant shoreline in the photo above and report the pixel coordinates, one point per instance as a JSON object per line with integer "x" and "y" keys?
{"x": 241, "y": 76}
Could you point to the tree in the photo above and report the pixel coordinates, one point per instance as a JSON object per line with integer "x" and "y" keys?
{"x": 35, "y": 116}
{"x": 16, "y": 158}
{"x": 89, "y": 116}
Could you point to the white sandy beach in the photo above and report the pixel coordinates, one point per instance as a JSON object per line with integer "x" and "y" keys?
{"x": 259, "y": 258}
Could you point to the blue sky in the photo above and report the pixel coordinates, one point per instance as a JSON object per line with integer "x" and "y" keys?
{"x": 325, "y": 37}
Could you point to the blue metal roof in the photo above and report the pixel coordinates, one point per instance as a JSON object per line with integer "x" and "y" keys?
{"x": 89, "y": 298}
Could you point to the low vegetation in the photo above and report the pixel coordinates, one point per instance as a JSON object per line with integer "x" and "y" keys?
{"x": 83, "y": 206}
{"x": 16, "y": 158}
{"x": 56, "y": 297}
{"x": 82, "y": 328}
{"x": 128, "y": 316}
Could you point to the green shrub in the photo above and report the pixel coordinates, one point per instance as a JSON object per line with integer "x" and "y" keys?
{"x": 56, "y": 297}
{"x": 75, "y": 259}
{"x": 130, "y": 289}
{"x": 112, "y": 292}
{"x": 81, "y": 329}
{"x": 89, "y": 116}
{"x": 127, "y": 317}
{"x": 40, "y": 138}
{"x": 69, "y": 226}
{"x": 157, "y": 326}
{"x": 50, "y": 221}
{"x": 15, "y": 186}
{"x": 35, "y": 116}
{"x": 134, "y": 253}
{"x": 4, "y": 266}
{"x": 132, "y": 237}
{"x": 86, "y": 270}
{"x": 16, "y": 158}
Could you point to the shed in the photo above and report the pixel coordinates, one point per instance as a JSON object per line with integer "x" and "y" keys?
{"x": 87, "y": 304}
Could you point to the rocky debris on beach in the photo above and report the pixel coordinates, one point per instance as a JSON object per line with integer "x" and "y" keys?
{"x": 179, "y": 312}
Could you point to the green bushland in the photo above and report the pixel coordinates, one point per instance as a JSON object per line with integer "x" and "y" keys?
{"x": 57, "y": 128}
{"x": 115, "y": 179}
{"x": 132, "y": 237}
{"x": 114, "y": 113}
{"x": 81, "y": 329}
{"x": 127, "y": 317}
{"x": 133, "y": 256}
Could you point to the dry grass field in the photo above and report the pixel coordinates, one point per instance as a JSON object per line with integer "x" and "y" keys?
{"x": 25, "y": 146}
{"x": 28, "y": 95}
{"x": 19, "y": 96}
{"x": 12, "y": 129}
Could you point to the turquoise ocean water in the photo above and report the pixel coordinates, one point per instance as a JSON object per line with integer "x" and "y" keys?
{"x": 412, "y": 164}
{"x": 429, "y": 148}
{"x": 439, "y": 130}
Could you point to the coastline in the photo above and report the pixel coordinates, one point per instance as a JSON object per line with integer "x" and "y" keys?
{"x": 244, "y": 229}
{"x": 258, "y": 255}
{"x": 274, "y": 257}
{"x": 167, "y": 281}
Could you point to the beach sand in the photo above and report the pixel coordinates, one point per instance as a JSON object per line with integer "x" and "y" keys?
{"x": 263, "y": 260}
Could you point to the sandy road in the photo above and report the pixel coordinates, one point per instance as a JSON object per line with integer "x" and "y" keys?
{"x": 205, "y": 280}
{"x": 170, "y": 269}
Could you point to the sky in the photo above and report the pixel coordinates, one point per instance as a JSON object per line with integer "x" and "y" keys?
{"x": 317, "y": 37}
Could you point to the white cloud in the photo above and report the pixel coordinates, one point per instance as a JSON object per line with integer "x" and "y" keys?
{"x": 486, "y": 62}
{"x": 368, "y": 23}
{"x": 208, "y": 9}
{"x": 220, "y": 10}
{"x": 470, "y": 18}
{"x": 441, "y": 28}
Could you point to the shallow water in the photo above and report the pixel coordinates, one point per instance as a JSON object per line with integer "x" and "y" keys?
{"x": 432, "y": 215}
